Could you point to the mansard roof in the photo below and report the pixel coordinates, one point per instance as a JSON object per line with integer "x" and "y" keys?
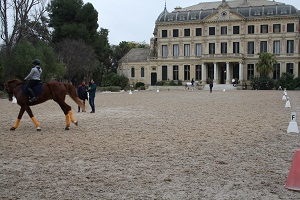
{"x": 246, "y": 8}
{"x": 136, "y": 55}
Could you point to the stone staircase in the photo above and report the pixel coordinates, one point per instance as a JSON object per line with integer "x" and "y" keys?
{"x": 220, "y": 87}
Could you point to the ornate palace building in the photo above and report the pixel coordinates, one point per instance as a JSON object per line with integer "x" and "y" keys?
{"x": 219, "y": 41}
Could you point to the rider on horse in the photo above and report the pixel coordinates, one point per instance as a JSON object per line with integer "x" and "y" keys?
{"x": 34, "y": 78}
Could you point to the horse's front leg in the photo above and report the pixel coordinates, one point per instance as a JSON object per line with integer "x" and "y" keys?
{"x": 37, "y": 124}
{"x": 16, "y": 125}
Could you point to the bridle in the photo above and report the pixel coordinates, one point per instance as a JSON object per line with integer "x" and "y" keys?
{"x": 10, "y": 94}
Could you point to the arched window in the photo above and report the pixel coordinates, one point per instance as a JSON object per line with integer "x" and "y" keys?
{"x": 132, "y": 72}
{"x": 142, "y": 72}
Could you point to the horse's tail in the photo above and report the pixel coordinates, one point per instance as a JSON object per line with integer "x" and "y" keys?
{"x": 71, "y": 90}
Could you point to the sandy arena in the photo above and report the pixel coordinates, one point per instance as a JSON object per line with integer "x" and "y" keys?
{"x": 173, "y": 145}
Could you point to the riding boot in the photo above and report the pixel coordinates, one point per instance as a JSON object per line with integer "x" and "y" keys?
{"x": 32, "y": 95}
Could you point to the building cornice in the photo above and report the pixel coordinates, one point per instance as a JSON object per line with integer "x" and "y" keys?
{"x": 202, "y": 22}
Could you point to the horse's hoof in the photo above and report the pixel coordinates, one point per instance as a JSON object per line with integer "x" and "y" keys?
{"x": 12, "y": 128}
{"x": 67, "y": 128}
{"x": 76, "y": 123}
{"x": 38, "y": 129}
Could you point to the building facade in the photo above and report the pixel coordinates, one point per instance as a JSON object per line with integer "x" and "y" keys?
{"x": 219, "y": 41}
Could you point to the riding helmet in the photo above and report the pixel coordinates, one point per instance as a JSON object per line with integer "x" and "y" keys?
{"x": 36, "y": 62}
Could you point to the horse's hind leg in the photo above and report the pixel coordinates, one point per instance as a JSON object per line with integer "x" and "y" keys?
{"x": 72, "y": 117}
{"x": 68, "y": 114}
{"x": 67, "y": 122}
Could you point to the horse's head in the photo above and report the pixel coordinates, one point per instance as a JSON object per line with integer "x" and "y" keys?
{"x": 8, "y": 91}
{"x": 10, "y": 86}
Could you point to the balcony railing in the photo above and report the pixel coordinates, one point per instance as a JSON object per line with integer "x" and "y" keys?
{"x": 228, "y": 55}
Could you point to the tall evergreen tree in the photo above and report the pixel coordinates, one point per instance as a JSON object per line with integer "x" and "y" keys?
{"x": 73, "y": 20}
{"x": 89, "y": 16}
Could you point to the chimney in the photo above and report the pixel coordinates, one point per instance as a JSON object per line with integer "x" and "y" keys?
{"x": 178, "y": 8}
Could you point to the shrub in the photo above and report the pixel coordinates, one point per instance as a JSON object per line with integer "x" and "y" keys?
{"x": 175, "y": 83}
{"x": 126, "y": 88}
{"x": 110, "y": 88}
{"x": 123, "y": 81}
{"x": 287, "y": 81}
{"x": 160, "y": 83}
{"x": 172, "y": 83}
{"x": 139, "y": 84}
{"x": 262, "y": 83}
{"x": 114, "y": 79}
{"x": 169, "y": 83}
{"x": 297, "y": 83}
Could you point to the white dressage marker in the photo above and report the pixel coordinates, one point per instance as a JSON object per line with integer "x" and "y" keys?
{"x": 284, "y": 92}
{"x": 293, "y": 126}
{"x": 288, "y": 103}
{"x": 130, "y": 92}
{"x": 284, "y": 98}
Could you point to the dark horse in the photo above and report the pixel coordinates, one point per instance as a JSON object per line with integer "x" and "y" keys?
{"x": 51, "y": 90}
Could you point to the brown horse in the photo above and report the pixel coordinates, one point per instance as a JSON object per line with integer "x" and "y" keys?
{"x": 51, "y": 90}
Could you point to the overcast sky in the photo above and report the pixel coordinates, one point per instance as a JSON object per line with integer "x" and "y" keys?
{"x": 134, "y": 20}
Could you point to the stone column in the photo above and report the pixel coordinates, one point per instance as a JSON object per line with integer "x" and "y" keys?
{"x": 170, "y": 72}
{"x": 192, "y": 71}
{"x": 296, "y": 69}
{"x": 216, "y": 78}
{"x": 204, "y": 73}
{"x": 227, "y": 73}
{"x": 241, "y": 72}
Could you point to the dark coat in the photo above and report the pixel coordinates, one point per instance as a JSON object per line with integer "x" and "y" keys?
{"x": 82, "y": 93}
{"x": 211, "y": 84}
{"x": 92, "y": 90}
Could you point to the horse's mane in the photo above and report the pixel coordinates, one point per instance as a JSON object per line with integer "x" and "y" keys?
{"x": 15, "y": 81}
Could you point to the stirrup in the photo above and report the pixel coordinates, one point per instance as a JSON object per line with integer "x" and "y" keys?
{"x": 32, "y": 99}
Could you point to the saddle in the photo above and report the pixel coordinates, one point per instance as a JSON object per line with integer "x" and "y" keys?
{"x": 37, "y": 89}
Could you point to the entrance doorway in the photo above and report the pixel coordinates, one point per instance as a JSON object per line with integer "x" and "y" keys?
{"x": 223, "y": 74}
{"x": 236, "y": 70}
{"x": 153, "y": 78}
{"x": 210, "y": 71}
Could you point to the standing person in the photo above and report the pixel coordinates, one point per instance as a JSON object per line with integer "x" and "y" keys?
{"x": 211, "y": 85}
{"x": 92, "y": 93}
{"x": 82, "y": 93}
{"x": 233, "y": 82}
{"x": 192, "y": 81}
{"x": 34, "y": 78}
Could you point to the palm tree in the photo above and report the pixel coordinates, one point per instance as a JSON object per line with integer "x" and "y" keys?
{"x": 265, "y": 64}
